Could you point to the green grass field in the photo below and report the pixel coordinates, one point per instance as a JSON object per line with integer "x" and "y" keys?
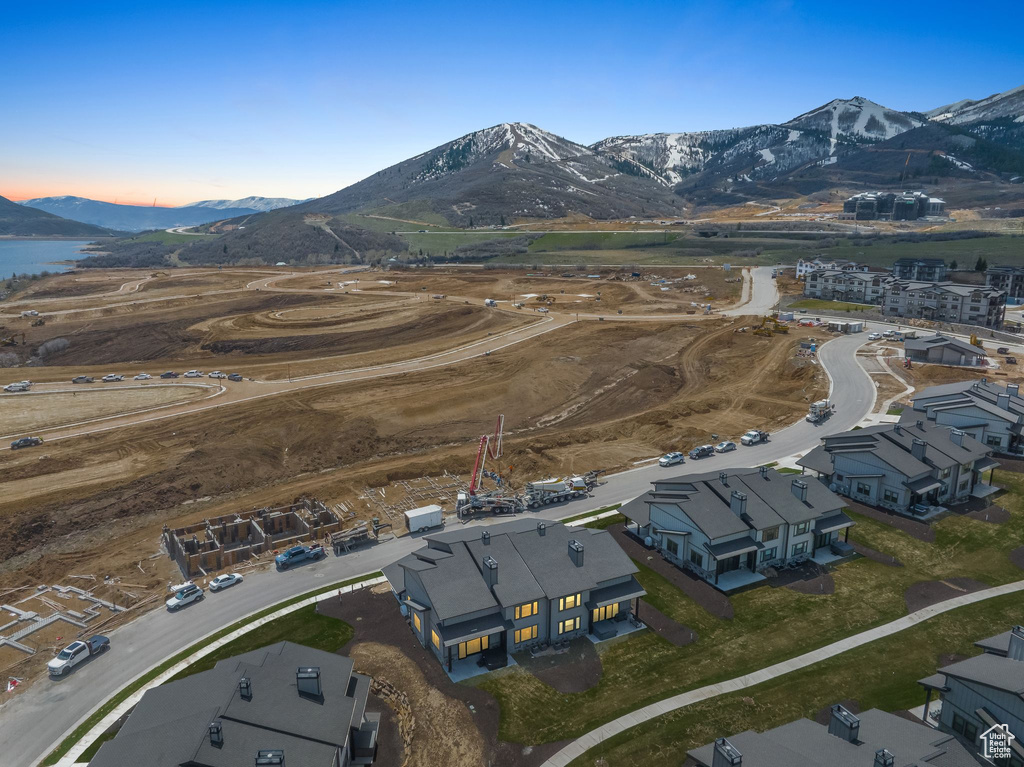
{"x": 169, "y": 238}
{"x": 778, "y": 622}
{"x": 818, "y": 304}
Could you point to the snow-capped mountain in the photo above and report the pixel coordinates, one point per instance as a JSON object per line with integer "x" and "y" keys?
{"x": 261, "y": 204}
{"x": 1008, "y": 104}
{"x": 129, "y": 218}
{"x": 857, "y": 120}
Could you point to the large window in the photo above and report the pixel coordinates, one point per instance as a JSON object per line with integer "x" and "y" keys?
{"x": 768, "y": 554}
{"x": 472, "y": 647}
{"x": 604, "y": 613}
{"x": 569, "y": 602}
{"x": 416, "y": 621}
{"x": 673, "y": 547}
{"x": 891, "y": 496}
{"x": 802, "y": 528}
{"x": 435, "y": 639}
{"x": 770, "y": 534}
{"x": 697, "y": 558}
{"x": 525, "y": 611}
{"x": 526, "y": 634}
{"x": 968, "y": 729}
{"x": 863, "y": 488}
{"x": 572, "y": 624}
{"x": 993, "y": 440}
{"x": 799, "y": 548}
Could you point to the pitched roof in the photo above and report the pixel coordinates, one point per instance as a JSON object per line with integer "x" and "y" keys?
{"x": 990, "y": 670}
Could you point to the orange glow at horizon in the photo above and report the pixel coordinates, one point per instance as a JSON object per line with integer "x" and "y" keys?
{"x": 28, "y": 193}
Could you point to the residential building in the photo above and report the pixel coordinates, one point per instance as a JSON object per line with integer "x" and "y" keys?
{"x": 945, "y": 302}
{"x": 728, "y": 526}
{"x": 873, "y": 737}
{"x": 943, "y": 350}
{"x": 305, "y": 703}
{"x": 984, "y": 692}
{"x": 507, "y": 587}
{"x": 1009, "y": 279}
{"x": 818, "y": 263}
{"x": 989, "y": 412}
{"x": 859, "y": 287}
{"x": 892, "y": 206}
{"x": 920, "y": 269}
{"x": 902, "y": 466}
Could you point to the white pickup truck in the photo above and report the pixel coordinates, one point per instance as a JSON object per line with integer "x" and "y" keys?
{"x": 754, "y": 437}
{"x": 75, "y": 653}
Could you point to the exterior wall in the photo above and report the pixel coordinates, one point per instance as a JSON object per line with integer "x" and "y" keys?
{"x": 542, "y": 620}
{"x": 865, "y": 462}
{"x": 935, "y": 302}
{"x": 556, "y": 616}
{"x": 964, "y": 698}
{"x": 995, "y": 432}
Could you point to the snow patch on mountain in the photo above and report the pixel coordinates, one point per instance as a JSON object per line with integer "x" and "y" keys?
{"x": 1006, "y": 104}
{"x": 855, "y": 119}
{"x": 262, "y": 204}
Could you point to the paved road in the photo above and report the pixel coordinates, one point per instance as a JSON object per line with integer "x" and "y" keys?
{"x": 38, "y": 719}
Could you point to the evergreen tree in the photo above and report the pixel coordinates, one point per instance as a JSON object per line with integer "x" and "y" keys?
{"x": 952, "y": 265}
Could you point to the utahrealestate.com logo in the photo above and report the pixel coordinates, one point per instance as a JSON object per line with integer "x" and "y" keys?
{"x": 996, "y": 742}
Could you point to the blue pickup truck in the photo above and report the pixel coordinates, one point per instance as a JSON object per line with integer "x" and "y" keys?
{"x": 297, "y": 554}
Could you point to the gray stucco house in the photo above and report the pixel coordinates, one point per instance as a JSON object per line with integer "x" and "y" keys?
{"x": 900, "y": 466}
{"x": 293, "y": 702}
{"x": 727, "y": 526}
{"x": 986, "y": 411}
{"x": 871, "y": 739}
{"x": 511, "y": 586}
{"x": 943, "y": 350}
{"x": 983, "y": 692}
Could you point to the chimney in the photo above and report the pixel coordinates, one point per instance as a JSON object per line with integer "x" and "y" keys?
{"x": 764, "y": 472}
{"x": 245, "y": 688}
{"x": 957, "y": 436}
{"x": 738, "y": 503}
{"x": 723, "y": 478}
{"x": 307, "y": 679}
{"x": 1003, "y": 401}
{"x": 491, "y": 571}
{"x": 216, "y": 734}
{"x": 726, "y": 754}
{"x": 1013, "y": 389}
{"x": 897, "y": 428}
{"x": 270, "y": 758}
{"x": 883, "y": 758}
{"x": 920, "y": 424}
{"x": 541, "y": 528}
{"x": 917, "y": 448}
{"x": 799, "y": 488}
{"x": 1016, "y": 649}
{"x": 843, "y": 724}
{"x": 485, "y": 538}
{"x": 576, "y": 552}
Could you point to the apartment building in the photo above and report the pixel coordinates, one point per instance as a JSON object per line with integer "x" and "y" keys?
{"x": 984, "y": 694}
{"x": 945, "y": 302}
{"x": 820, "y": 263}
{"x": 990, "y": 413}
{"x": 892, "y": 206}
{"x": 906, "y": 467}
{"x": 920, "y": 269}
{"x": 728, "y": 526}
{"x": 835, "y": 284}
{"x": 512, "y": 586}
{"x": 873, "y": 738}
{"x": 1009, "y": 279}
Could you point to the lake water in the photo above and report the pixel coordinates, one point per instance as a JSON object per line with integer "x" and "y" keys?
{"x": 35, "y": 256}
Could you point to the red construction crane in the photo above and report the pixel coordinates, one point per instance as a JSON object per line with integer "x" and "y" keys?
{"x": 490, "y": 445}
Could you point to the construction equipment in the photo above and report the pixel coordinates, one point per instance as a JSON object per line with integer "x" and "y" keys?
{"x": 770, "y": 326}
{"x": 975, "y": 341}
{"x": 820, "y": 410}
{"x": 12, "y": 340}
{"x": 36, "y": 323}
{"x": 555, "y": 490}
{"x": 497, "y": 501}
{"x": 490, "y": 444}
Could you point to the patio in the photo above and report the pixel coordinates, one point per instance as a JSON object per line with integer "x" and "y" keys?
{"x": 471, "y": 666}
{"x": 606, "y": 630}
{"x": 982, "y": 490}
{"x": 737, "y": 579}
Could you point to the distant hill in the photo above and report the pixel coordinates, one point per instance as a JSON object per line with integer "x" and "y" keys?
{"x": 18, "y": 220}
{"x": 261, "y": 204}
{"x": 131, "y": 218}
{"x": 999, "y": 117}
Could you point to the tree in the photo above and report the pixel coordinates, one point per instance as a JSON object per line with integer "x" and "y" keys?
{"x": 952, "y": 265}
{"x": 981, "y": 265}
{"x": 470, "y": 222}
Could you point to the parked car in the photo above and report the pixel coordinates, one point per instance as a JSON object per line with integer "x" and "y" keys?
{"x": 186, "y": 596}
{"x": 670, "y": 459}
{"x": 17, "y": 387}
{"x": 26, "y": 442}
{"x": 874, "y": 336}
{"x": 223, "y": 581}
{"x": 297, "y": 554}
{"x": 702, "y": 451}
{"x": 887, "y": 334}
{"x": 1011, "y": 360}
{"x": 193, "y": 374}
{"x": 169, "y": 374}
{"x": 1003, "y": 350}
{"x": 725, "y": 447}
{"x": 82, "y": 379}
{"x": 754, "y": 437}
{"x": 112, "y": 377}
{"x": 143, "y": 377}
{"x": 75, "y": 653}
{"x": 234, "y": 377}
{"x": 218, "y": 374}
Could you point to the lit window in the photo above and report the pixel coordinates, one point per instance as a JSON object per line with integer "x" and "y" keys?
{"x": 435, "y": 639}
{"x": 526, "y": 634}
{"x": 525, "y": 611}
{"x": 604, "y": 613}
{"x": 569, "y": 602}
{"x": 572, "y": 624}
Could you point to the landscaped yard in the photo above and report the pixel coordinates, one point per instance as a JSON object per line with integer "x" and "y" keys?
{"x": 770, "y": 624}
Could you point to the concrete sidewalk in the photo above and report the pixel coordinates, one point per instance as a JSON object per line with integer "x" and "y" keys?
{"x": 595, "y": 737}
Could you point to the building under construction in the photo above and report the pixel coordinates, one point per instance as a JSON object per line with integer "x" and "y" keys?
{"x": 223, "y": 542}
{"x": 892, "y": 206}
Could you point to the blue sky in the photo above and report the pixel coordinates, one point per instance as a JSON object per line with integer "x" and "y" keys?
{"x": 184, "y": 101}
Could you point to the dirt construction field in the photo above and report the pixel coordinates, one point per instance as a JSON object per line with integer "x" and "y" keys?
{"x": 576, "y": 395}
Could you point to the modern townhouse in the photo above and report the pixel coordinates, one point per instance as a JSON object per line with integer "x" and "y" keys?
{"x": 911, "y": 468}
{"x": 984, "y": 694}
{"x": 945, "y": 302}
{"x": 944, "y": 350}
{"x": 861, "y": 287}
{"x": 990, "y": 413}
{"x": 729, "y": 526}
{"x": 922, "y": 269}
{"x": 1007, "y": 278}
{"x": 513, "y": 586}
{"x": 873, "y": 738}
{"x": 818, "y": 263}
